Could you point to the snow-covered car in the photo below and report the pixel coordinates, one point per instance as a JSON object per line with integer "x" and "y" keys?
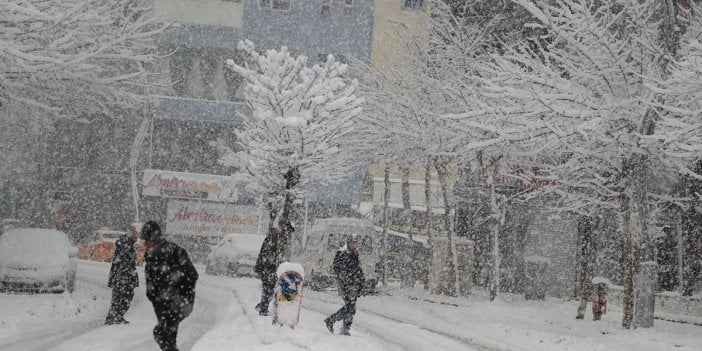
{"x": 102, "y": 248}
{"x": 38, "y": 260}
{"x": 234, "y": 255}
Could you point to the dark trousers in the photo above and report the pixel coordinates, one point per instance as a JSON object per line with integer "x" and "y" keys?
{"x": 267, "y": 287}
{"x": 121, "y": 299}
{"x": 346, "y": 312}
{"x": 166, "y": 331}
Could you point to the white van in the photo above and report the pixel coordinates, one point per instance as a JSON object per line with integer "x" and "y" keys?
{"x": 316, "y": 250}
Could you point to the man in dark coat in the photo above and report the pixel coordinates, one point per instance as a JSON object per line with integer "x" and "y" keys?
{"x": 123, "y": 276}
{"x": 170, "y": 284}
{"x": 266, "y": 267}
{"x": 350, "y": 280}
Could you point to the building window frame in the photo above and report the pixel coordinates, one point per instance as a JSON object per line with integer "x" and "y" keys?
{"x": 414, "y": 5}
{"x": 325, "y": 8}
{"x": 348, "y": 7}
{"x": 275, "y": 5}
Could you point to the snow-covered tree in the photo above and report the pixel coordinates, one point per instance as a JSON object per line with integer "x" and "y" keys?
{"x": 298, "y": 132}
{"x": 402, "y": 127}
{"x": 66, "y": 59}
{"x": 589, "y": 75}
{"x": 485, "y": 130}
{"x": 680, "y": 92}
{"x": 435, "y": 107}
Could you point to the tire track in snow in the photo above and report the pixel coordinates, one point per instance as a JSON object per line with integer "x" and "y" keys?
{"x": 462, "y": 339}
{"x": 92, "y": 276}
{"x": 234, "y": 289}
{"x": 214, "y": 295}
{"x": 47, "y": 341}
{"x": 396, "y": 342}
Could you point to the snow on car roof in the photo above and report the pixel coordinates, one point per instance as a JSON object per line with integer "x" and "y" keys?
{"x": 42, "y": 239}
{"x": 349, "y": 222}
{"x": 245, "y": 242}
{"x": 27, "y": 246}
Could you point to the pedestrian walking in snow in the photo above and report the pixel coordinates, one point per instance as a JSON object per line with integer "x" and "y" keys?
{"x": 123, "y": 276}
{"x": 266, "y": 267}
{"x": 170, "y": 284}
{"x": 350, "y": 280}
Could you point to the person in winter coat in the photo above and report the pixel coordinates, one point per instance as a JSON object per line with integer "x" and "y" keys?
{"x": 170, "y": 284}
{"x": 266, "y": 267}
{"x": 123, "y": 276}
{"x": 350, "y": 280}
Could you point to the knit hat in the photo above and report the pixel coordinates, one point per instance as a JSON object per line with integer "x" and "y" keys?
{"x": 151, "y": 231}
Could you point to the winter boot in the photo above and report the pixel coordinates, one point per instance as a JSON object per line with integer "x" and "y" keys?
{"x": 330, "y": 324}
{"x": 345, "y": 331}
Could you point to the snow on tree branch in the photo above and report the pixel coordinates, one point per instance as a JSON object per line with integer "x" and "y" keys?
{"x": 302, "y": 118}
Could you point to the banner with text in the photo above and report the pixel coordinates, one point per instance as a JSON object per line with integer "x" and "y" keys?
{"x": 210, "y": 218}
{"x": 188, "y": 185}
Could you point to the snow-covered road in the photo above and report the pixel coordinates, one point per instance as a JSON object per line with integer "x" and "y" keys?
{"x": 224, "y": 319}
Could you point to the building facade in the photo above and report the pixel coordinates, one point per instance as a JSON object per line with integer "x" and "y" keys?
{"x": 195, "y": 116}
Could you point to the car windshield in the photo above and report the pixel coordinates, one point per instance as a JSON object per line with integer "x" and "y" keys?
{"x": 34, "y": 241}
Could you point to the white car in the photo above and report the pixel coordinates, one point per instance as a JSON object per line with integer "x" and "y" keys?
{"x": 37, "y": 260}
{"x": 234, "y": 255}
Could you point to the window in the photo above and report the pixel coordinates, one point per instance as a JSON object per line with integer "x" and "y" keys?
{"x": 413, "y": 4}
{"x": 275, "y": 4}
{"x": 348, "y": 7}
{"x": 325, "y": 9}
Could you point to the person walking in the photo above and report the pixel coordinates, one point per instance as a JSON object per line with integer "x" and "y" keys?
{"x": 266, "y": 267}
{"x": 170, "y": 284}
{"x": 350, "y": 280}
{"x": 123, "y": 278}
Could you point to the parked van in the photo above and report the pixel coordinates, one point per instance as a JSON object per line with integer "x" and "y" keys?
{"x": 316, "y": 250}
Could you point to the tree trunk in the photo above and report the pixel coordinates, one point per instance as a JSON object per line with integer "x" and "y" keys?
{"x": 133, "y": 161}
{"x": 450, "y": 269}
{"x": 494, "y": 239}
{"x": 406, "y": 203}
{"x": 427, "y": 195}
{"x": 692, "y": 249}
{"x": 591, "y": 263}
{"x": 292, "y": 178}
{"x": 383, "y": 237}
{"x": 628, "y": 260}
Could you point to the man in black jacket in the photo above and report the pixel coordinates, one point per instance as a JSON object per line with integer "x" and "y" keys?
{"x": 350, "y": 280}
{"x": 266, "y": 267}
{"x": 170, "y": 284}
{"x": 123, "y": 277}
